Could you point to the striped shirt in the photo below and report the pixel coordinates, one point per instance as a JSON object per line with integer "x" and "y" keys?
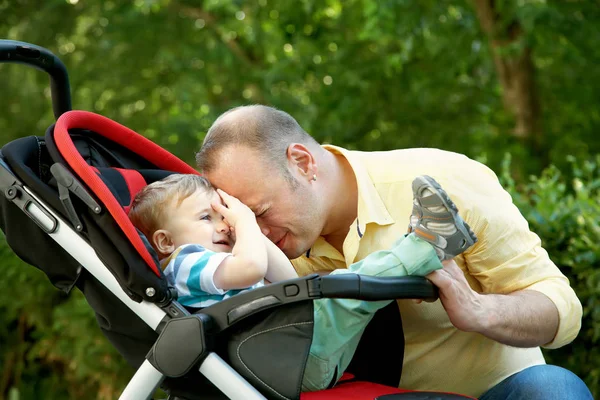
{"x": 190, "y": 270}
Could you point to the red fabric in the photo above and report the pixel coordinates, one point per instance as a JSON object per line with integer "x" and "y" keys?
{"x": 135, "y": 182}
{"x": 360, "y": 391}
{"x": 127, "y": 138}
{"x": 346, "y": 376}
{"x": 352, "y": 391}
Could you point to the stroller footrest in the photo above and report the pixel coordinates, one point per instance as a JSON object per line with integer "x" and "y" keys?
{"x": 173, "y": 359}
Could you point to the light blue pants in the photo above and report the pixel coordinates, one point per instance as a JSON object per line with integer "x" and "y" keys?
{"x": 339, "y": 323}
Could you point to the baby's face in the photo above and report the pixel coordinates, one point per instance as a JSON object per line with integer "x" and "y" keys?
{"x": 195, "y": 222}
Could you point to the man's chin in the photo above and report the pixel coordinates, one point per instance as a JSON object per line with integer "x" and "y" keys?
{"x": 293, "y": 253}
{"x": 291, "y": 247}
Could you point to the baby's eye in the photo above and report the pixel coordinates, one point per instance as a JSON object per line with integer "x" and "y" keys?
{"x": 205, "y": 217}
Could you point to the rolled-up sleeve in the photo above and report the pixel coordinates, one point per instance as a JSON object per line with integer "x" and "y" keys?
{"x": 509, "y": 257}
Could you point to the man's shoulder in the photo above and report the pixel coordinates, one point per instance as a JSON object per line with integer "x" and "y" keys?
{"x": 402, "y": 165}
{"x": 417, "y": 155}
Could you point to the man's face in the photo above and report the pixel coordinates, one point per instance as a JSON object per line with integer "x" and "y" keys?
{"x": 289, "y": 215}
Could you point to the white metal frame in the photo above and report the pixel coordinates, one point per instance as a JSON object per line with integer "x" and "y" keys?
{"x": 147, "y": 378}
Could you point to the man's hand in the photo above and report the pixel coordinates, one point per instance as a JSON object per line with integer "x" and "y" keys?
{"x": 524, "y": 318}
{"x": 465, "y": 307}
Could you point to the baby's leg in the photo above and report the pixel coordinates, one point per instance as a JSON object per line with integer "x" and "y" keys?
{"x": 339, "y": 323}
{"x": 439, "y": 233}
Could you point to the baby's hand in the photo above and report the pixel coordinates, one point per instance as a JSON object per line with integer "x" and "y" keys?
{"x": 236, "y": 212}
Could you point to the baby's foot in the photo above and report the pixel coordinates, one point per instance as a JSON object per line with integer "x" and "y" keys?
{"x": 435, "y": 219}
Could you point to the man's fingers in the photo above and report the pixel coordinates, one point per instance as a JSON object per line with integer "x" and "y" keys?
{"x": 441, "y": 278}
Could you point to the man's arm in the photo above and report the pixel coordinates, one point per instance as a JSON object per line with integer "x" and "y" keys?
{"x": 280, "y": 268}
{"x": 517, "y": 295}
{"x": 523, "y": 318}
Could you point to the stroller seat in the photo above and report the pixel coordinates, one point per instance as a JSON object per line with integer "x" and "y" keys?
{"x": 67, "y": 193}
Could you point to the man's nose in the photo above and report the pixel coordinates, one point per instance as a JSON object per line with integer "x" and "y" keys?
{"x": 264, "y": 229}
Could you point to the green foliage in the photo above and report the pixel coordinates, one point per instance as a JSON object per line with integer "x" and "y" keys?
{"x": 563, "y": 209}
{"x": 51, "y": 344}
{"x": 365, "y": 74}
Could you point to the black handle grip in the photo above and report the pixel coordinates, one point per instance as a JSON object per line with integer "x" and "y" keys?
{"x": 371, "y": 288}
{"x": 38, "y": 57}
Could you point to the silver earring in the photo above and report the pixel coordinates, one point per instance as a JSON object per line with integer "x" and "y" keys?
{"x": 314, "y": 177}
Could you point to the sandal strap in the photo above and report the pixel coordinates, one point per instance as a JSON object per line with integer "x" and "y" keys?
{"x": 429, "y": 216}
{"x": 431, "y": 201}
{"x": 456, "y": 240}
{"x": 429, "y": 236}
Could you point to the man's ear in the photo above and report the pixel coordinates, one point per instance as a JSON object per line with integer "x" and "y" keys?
{"x": 163, "y": 242}
{"x": 301, "y": 159}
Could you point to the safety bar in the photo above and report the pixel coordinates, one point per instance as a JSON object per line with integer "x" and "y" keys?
{"x": 349, "y": 286}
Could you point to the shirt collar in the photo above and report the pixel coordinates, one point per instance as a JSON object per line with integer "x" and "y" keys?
{"x": 371, "y": 209}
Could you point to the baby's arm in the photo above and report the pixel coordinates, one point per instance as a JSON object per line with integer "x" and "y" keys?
{"x": 248, "y": 263}
{"x": 280, "y": 268}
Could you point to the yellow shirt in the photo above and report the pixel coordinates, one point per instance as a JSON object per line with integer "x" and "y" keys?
{"x": 508, "y": 257}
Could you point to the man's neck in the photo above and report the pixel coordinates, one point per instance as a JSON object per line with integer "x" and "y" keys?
{"x": 342, "y": 197}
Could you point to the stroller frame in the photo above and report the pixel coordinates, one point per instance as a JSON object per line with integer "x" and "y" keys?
{"x": 147, "y": 378}
{"x": 167, "y": 317}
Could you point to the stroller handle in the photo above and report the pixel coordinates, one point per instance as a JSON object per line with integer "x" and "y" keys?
{"x": 12, "y": 51}
{"x": 347, "y": 286}
{"x": 372, "y": 288}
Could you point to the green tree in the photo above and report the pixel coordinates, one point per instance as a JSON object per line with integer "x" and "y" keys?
{"x": 478, "y": 77}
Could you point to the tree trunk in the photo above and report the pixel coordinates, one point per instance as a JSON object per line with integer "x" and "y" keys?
{"x": 515, "y": 71}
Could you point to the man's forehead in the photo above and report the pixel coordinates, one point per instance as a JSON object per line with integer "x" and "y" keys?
{"x": 241, "y": 172}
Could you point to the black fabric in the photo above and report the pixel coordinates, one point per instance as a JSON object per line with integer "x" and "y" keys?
{"x": 378, "y": 357}
{"x": 117, "y": 185}
{"x": 29, "y": 159}
{"x": 133, "y": 339}
{"x": 99, "y": 151}
{"x": 130, "y": 270}
{"x": 22, "y": 234}
{"x": 271, "y": 348}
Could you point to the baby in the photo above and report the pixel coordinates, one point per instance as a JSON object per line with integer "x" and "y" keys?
{"x": 211, "y": 248}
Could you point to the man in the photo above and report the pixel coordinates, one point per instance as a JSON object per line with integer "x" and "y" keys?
{"x": 327, "y": 207}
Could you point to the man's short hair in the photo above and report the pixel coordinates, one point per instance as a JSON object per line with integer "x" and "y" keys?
{"x": 147, "y": 212}
{"x": 265, "y": 129}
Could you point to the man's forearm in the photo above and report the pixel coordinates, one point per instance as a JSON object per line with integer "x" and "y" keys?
{"x": 522, "y": 319}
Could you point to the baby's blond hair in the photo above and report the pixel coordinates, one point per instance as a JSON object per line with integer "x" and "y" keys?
{"x": 147, "y": 210}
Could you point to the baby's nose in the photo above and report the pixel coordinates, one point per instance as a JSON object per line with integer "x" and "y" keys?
{"x": 223, "y": 227}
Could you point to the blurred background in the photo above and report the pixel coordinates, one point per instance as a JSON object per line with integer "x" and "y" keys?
{"x": 512, "y": 83}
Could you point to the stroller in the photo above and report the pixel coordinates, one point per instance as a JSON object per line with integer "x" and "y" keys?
{"x": 67, "y": 194}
